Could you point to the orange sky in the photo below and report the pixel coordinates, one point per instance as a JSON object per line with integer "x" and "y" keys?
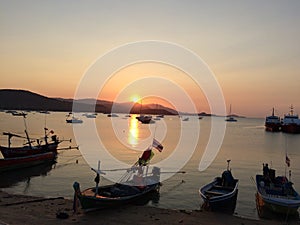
{"x": 161, "y": 79}
{"x": 252, "y": 47}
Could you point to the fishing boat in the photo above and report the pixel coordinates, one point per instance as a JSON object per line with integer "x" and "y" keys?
{"x": 48, "y": 143}
{"x": 275, "y": 194}
{"x": 273, "y": 123}
{"x": 230, "y": 117}
{"x": 7, "y": 164}
{"x": 221, "y": 193}
{"x": 72, "y": 119}
{"x": 136, "y": 184}
{"x": 291, "y": 122}
{"x": 31, "y": 147}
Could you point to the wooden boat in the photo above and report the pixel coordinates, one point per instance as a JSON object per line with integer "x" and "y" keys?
{"x": 11, "y": 152}
{"x": 275, "y": 194}
{"x": 119, "y": 193}
{"x": 26, "y": 161}
{"x": 291, "y": 123}
{"x": 221, "y": 193}
{"x": 136, "y": 185}
{"x": 32, "y": 146}
{"x": 273, "y": 123}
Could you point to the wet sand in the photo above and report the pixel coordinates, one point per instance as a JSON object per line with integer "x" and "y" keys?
{"x": 19, "y": 209}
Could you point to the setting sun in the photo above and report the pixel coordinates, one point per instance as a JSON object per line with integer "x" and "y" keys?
{"x": 135, "y": 98}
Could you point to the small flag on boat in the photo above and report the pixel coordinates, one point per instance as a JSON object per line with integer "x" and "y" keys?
{"x": 287, "y": 161}
{"x": 156, "y": 144}
{"x": 146, "y": 157}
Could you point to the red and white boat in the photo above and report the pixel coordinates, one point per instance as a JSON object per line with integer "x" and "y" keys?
{"x": 273, "y": 123}
{"x": 291, "y": 123}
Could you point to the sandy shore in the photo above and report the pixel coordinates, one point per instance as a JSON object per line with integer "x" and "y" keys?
{"x": 19, "y": 209}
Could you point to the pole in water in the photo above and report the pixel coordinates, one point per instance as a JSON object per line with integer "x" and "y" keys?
{"x": 97, "y": 179}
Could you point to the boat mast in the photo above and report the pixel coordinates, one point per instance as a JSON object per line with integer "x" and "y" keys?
{"x": 228, "y": 162}
{"x": 292, "y": 110}
{"x": 27, "y": 136}
{"x": 45, "y": 130}
{"x": 97, "y": 178}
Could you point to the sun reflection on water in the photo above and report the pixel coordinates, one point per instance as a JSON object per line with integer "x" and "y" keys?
{"x": 133, "y": 131}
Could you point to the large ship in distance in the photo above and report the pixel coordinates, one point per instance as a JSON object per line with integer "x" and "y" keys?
{"x": 273, "y": 123}
{"x": 291, "y": 122}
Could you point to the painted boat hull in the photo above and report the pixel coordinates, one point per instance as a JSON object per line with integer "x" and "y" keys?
{"x": 291, "y": 128}
{"x": 275, "y": 200}
{"x": 27, "y": 151}
{"x": 26, "y": 161}
{"x": 219, "y": 198}
{"x": 273, "y": 127}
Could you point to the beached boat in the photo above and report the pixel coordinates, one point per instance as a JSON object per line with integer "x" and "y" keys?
{"x": 26, "y": 161}
{"x": 72, "y": 119}
{"x": 221, "y": 193}
{"x": 275, "y": 194}
{"x": 291, "y": 123}
{"x": 273, "y": 123}
{"x": 230, "y": 117}
{"x": 136, "y": 184}
{"x": 119, "y": 193}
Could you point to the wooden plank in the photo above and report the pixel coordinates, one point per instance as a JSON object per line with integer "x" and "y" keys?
{"x": 213, "y": 193}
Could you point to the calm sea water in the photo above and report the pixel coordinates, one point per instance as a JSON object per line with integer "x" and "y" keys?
{"x": 246, "y": 143}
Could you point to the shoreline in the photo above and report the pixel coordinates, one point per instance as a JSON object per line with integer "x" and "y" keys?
{"x": 20, "y": 209}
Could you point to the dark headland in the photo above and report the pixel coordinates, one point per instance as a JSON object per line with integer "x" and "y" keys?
{"x": 11, "y": 99}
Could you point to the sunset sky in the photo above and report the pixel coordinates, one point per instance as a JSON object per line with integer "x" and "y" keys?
{"x": 252, "y": 47}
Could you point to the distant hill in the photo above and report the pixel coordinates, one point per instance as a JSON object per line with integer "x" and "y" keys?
{"x": 11, "y": 99}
